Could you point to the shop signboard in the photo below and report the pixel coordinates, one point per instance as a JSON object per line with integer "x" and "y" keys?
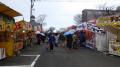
{"x": 114, "y": 47}
{"x": 9, "y": 27}
{"x": 112, "y": 20}
{"x": 18, "y": 26}
{"x": 8, "y": 24}
{"x": 2, "y": 24}
{"x": 28, "y": 26}
{"x": 114, "y": 44}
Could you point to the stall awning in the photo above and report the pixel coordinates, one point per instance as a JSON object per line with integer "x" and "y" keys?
{"x": 8, "y": 11}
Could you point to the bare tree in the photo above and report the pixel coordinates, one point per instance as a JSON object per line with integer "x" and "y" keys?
{"x": 107, "y": 10}
{"x": 40, "y": 20}
{"x": 78, "y": 18}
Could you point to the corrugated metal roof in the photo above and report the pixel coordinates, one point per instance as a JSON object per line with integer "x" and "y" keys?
{"x": 8, "y": 11}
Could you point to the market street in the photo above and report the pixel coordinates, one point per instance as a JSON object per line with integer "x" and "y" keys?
{"x": 82, "y": 57}
{"x": 59, "y": 33}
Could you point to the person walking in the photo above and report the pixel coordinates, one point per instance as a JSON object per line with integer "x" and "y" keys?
{"x": 47, "y": 42}
{"x": 75, "y": 41}
{"x": 38, "y": 39}
{"x": 29, "y": 40}
{"x": 69, "y": 41}
{"x": 51, "y": 41}
{"x": 62, "y": 40}
{"x": 56, "y": 40}
{"x": 82, "y": 38}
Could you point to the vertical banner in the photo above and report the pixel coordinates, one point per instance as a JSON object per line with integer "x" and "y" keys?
{"x": 2, "y": 24}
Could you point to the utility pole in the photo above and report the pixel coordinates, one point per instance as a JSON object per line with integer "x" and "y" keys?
{"x": 31, "y": 10}
{"x": 32, "y": 17}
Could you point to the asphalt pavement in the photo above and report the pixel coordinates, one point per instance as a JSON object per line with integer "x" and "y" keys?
{"x": 61, "y": 57}
{"x": 82, "y": 57}
{"x": 26, "y": 58}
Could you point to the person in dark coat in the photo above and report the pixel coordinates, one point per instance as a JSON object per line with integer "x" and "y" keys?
{"x": 51, "y": 41}
{"x": 82, "y": 38}
{"x": 69, "y": 41}
{"x": 43, "y": 38}
{"x": 62, "y": 40}
{"x": 38, "y": 39}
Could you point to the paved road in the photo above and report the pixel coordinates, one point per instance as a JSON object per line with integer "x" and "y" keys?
{"x": 76, "y": 58}
{"x": 82, "y": 57}
{"x": 26, "y": 58}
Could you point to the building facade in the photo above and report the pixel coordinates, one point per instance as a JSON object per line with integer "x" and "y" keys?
{"x": 90, "y": 14}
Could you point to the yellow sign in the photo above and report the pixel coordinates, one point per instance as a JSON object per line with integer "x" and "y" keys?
{"x": 2, "y": 25}
{"x": 9, "y": 27}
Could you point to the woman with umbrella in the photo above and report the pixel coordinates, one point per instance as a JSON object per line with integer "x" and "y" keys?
{"x": 69, "y": 38}
{"x": 38, "y": 36}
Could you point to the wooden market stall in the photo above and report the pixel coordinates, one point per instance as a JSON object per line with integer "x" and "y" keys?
{"x": 19, "y": 32}
{"x": 30, "y": 34}
{"x": 6, "y": 29}
{"x": 112, "y": 25}
{"x": 23, "y": 32}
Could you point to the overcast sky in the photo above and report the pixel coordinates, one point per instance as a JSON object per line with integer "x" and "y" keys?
{"x": 59, "y": 13}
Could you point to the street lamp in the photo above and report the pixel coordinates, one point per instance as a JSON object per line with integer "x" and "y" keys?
{"x": 32, "y": 18}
